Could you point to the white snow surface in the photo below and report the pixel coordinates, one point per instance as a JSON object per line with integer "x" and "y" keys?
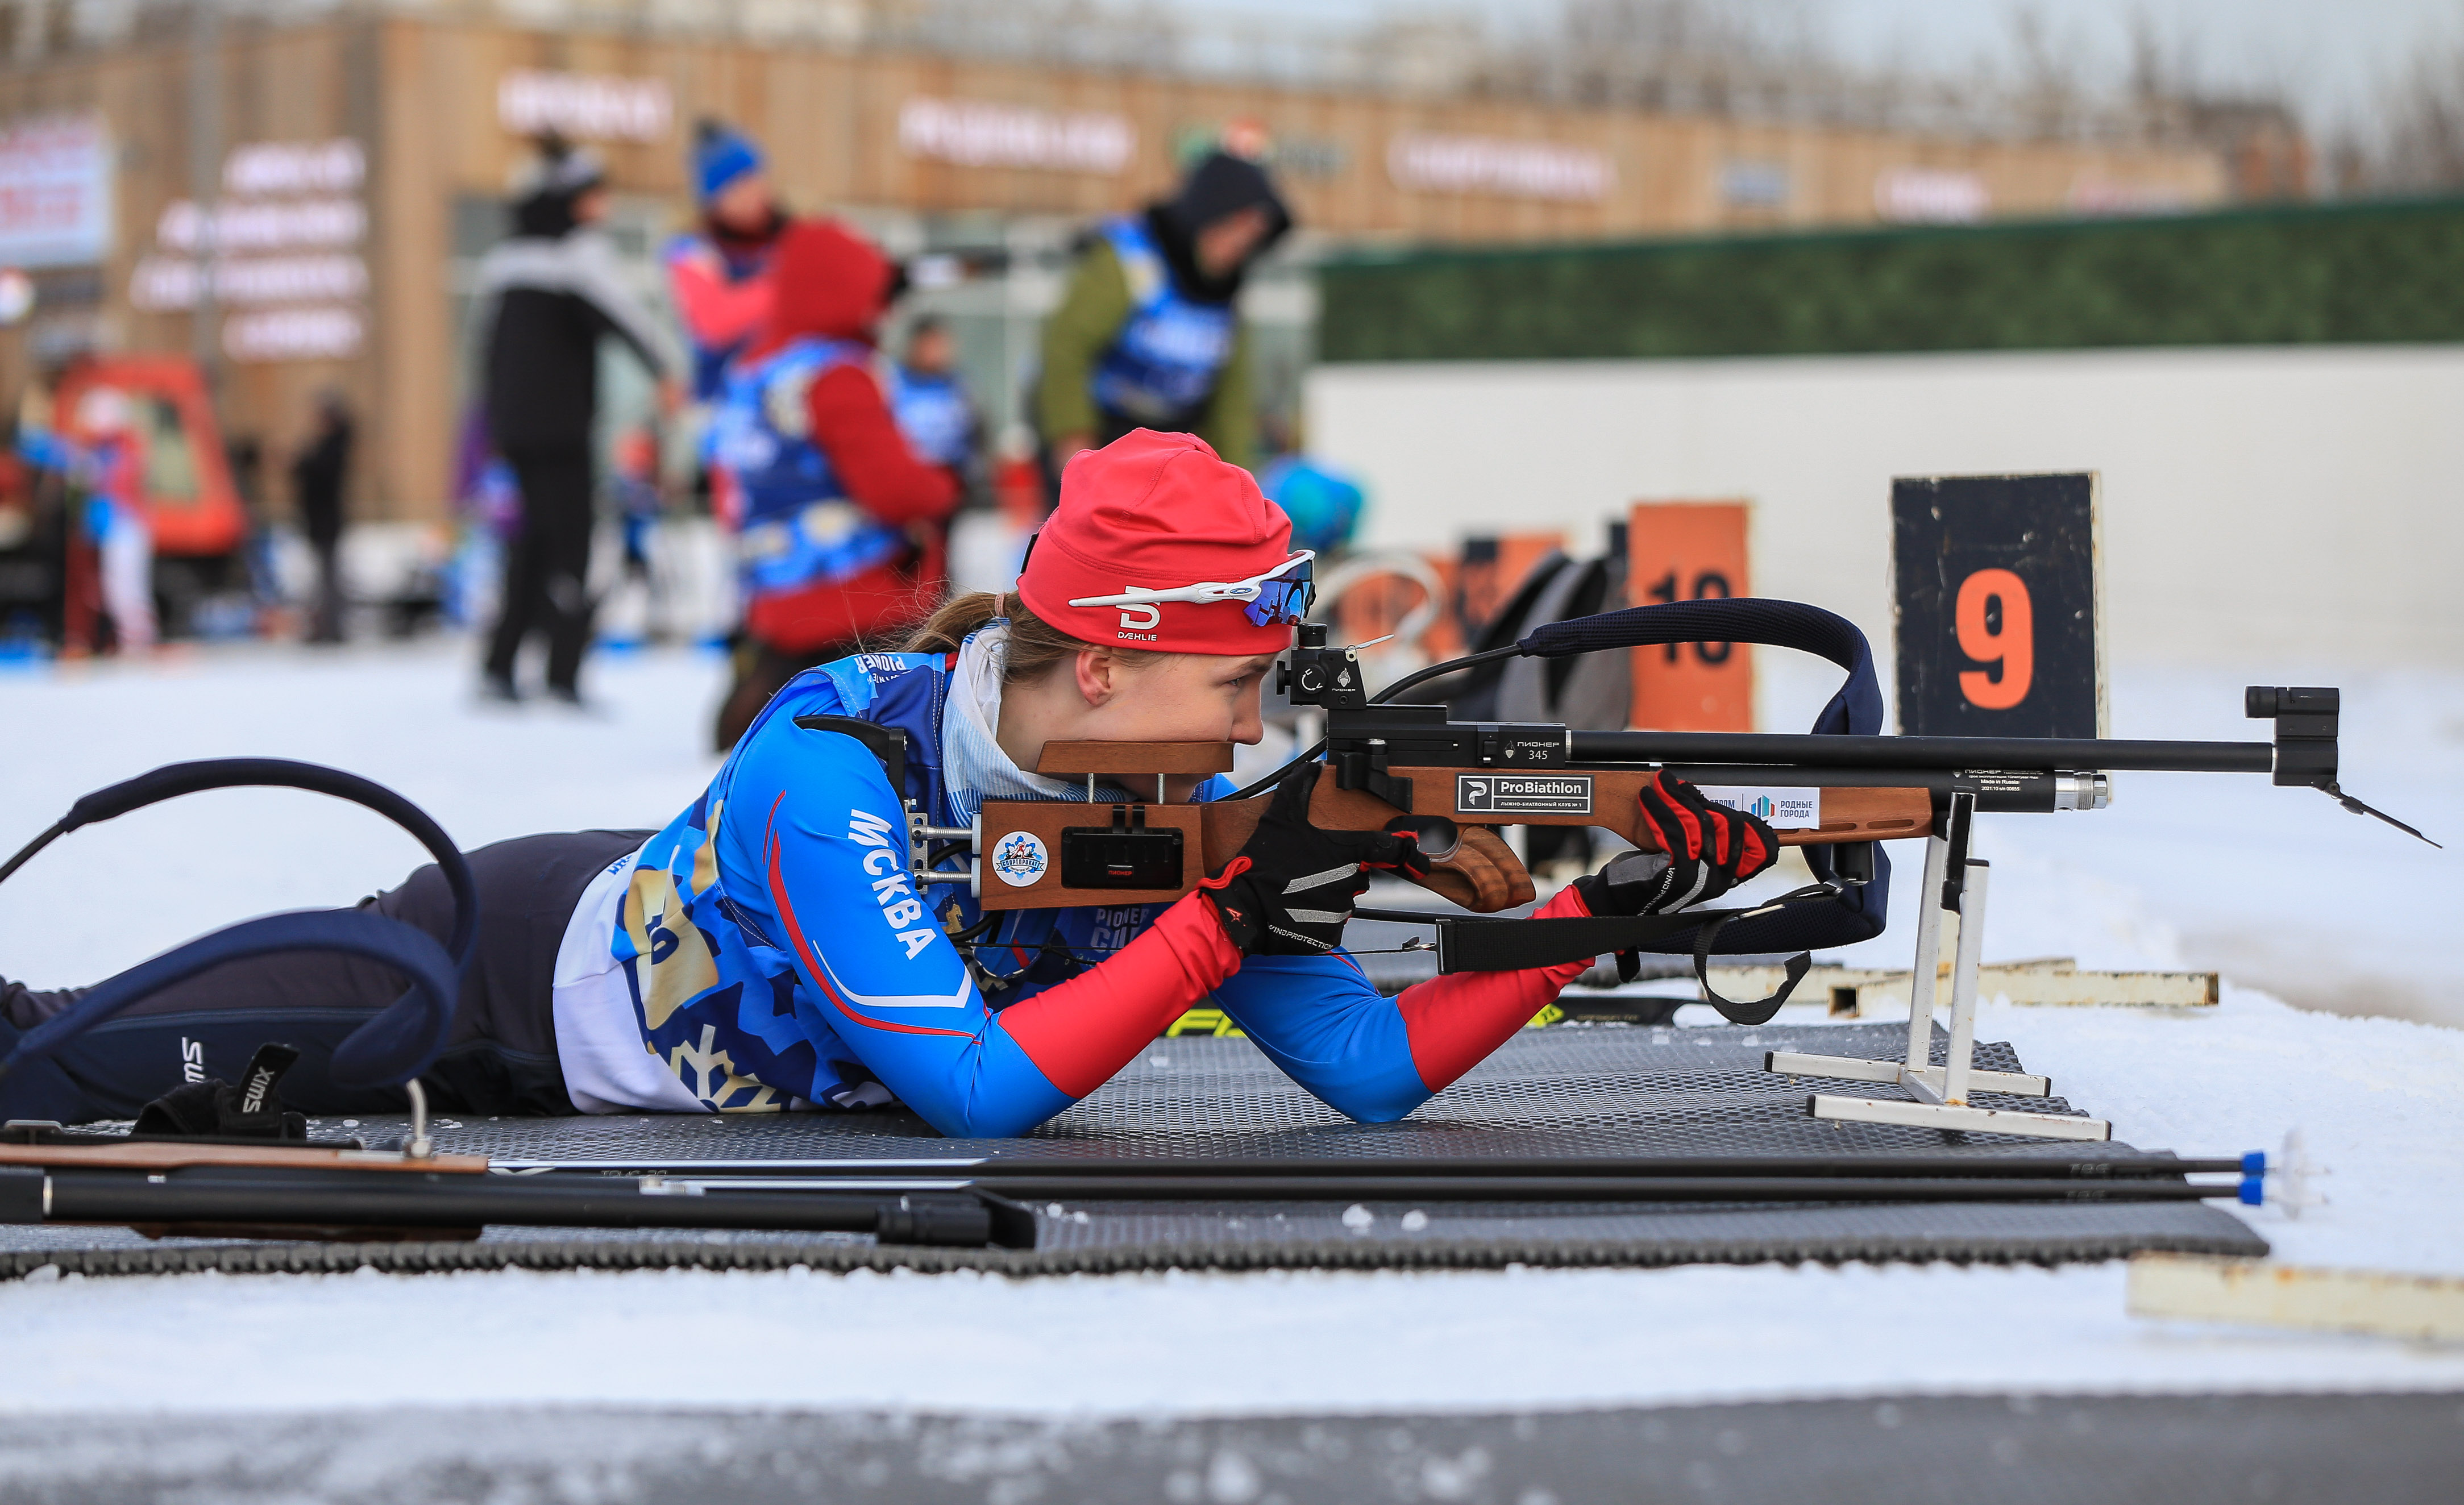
{"x": 2275, "y": 886}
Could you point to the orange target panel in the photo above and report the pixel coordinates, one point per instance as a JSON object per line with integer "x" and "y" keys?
{"x": 1690, "y": 551}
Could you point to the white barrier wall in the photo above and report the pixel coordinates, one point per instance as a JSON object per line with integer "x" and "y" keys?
{"x": 2292, "y": 502}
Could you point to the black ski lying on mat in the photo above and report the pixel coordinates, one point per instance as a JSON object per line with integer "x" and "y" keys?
{"x": 1509, "y": 1188}
{"x": 1932, "y": 1178}
{"x": 270, "y": 1203}
{"x": 2037, "y": 1167}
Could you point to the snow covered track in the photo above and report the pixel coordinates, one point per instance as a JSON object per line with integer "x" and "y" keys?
{"x": 2389, "y": 1449}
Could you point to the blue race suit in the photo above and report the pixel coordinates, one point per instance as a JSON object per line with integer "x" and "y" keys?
{"x": 1163, "y": 365}
{"x": 798, "y": 527}
{"x": 775, "y": 949}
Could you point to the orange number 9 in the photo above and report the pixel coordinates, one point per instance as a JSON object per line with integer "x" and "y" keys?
{"x": 2013, "y": 647}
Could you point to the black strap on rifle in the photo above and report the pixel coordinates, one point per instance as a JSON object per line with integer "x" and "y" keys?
{"x": 1760, "y": 1010}
{"x": 1482, "y": 944}
{"x": 889, "y": 744}
{"x": 1851, "y": 911}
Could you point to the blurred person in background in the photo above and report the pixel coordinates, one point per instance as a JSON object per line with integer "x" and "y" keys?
{"x": 317, "y": 475}
{"x": 555, "y": 290}
{"x": 243, "y": 454}
{"x": 839, "y": 519}
{"x": 1146, "y": 334}
{"x": 43, "y": 531}
{"x": 25, "y": 593}
{"x": 928, "y": 397}
{"x": 634, "y": 487}
{"x": 112, "y": 455}
{"x": 718, "y": 272}
{"x": 1324, "y": 504}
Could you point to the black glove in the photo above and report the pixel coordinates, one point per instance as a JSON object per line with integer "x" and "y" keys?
{"x": 1708, "y": 849}
{"x": 215, "y": 1108}
{"x": 1290, "y": 889}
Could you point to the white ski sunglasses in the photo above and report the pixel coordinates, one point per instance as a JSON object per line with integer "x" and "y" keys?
{"x": 1281, "y": 595}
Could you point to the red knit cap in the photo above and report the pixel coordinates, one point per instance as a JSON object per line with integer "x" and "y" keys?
{"x": 1151, "y": 511}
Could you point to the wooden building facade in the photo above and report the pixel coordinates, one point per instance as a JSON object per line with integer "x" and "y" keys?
{"x": 382, "y": 143}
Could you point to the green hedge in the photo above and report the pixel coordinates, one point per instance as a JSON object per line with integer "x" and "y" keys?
{"x": 2369, "y": 273}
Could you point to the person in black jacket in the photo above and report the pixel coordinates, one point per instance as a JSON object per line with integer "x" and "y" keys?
{"x": 316, "y": 476}
{"x": 555, "y": 290}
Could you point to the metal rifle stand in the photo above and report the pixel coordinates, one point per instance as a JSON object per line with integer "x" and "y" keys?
{"x": 1939, "y": 1093}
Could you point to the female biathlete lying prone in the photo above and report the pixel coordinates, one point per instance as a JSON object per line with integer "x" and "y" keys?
{"x": 767, "y": 951}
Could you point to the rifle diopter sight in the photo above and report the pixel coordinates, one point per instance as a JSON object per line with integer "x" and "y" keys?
{"x": 1314, "y": 674}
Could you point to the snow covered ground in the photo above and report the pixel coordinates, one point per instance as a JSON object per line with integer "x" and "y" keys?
{"x": 2276, "y": 887}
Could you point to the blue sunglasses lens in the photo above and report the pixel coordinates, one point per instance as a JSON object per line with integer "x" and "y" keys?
{"x": 1281, "y": 602}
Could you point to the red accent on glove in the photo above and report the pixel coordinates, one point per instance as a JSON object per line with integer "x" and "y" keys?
{"x": 1231, "y": 870}
{"x": 1708, "y": 832}
{"x": 1757, "y": 856}
{"x": 1688, "y": 840}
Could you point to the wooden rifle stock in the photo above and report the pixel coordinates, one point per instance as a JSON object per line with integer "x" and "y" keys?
{"x": 1470, "y": 864}
{"x": 1473, "y": 866}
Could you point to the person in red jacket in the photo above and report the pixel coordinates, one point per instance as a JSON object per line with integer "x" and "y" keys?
{"x": 719, "y": 270}
{"x": 838, "y": 520}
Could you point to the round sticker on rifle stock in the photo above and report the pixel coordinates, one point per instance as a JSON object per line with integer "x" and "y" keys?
{"x": 1019, "y": 859}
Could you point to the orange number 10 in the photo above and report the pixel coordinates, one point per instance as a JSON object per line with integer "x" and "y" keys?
{"x": 2011, "y": 643}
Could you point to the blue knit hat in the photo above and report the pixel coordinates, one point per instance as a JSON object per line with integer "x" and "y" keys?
{"x": 721, "y": 156}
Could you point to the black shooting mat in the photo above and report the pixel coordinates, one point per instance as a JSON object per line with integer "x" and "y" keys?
{"x": 1568, "y": 1090}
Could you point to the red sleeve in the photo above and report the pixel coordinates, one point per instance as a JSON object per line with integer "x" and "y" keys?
{"x": 717, "y": 311}
{"x": 852, "y": 424}
{"x": 1454, "y": 1022}
{"x": 1082, "y": 1031}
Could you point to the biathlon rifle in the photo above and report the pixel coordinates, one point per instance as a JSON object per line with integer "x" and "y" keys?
{"x": 1837, "y": 792}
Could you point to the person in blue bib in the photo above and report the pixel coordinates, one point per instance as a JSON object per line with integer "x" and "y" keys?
{"x": 1146, "y": 334}
{"x": 773, "y": 949}
{"x": 840, "y": 523}
{"x": 929, "y": 398}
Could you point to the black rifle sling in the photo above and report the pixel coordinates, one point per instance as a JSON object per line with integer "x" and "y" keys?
{"x": 1850, "y": 911}
{"x": 1760, "y": 1010}
{"x": 1481, "y": 945}
{"x": 1508, "y": 946}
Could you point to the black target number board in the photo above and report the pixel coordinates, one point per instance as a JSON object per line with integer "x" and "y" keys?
{"x": 1996, "y": 598}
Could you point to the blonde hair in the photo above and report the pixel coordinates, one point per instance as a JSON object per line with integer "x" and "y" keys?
{"x": 1036, "y": 647}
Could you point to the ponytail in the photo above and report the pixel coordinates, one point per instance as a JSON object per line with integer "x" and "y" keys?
{"x": 956, "y": 620}
{"x": 1035, "y": 648}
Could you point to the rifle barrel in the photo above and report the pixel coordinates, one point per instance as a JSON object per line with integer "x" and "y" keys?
{"x": 2047, "y": 753}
